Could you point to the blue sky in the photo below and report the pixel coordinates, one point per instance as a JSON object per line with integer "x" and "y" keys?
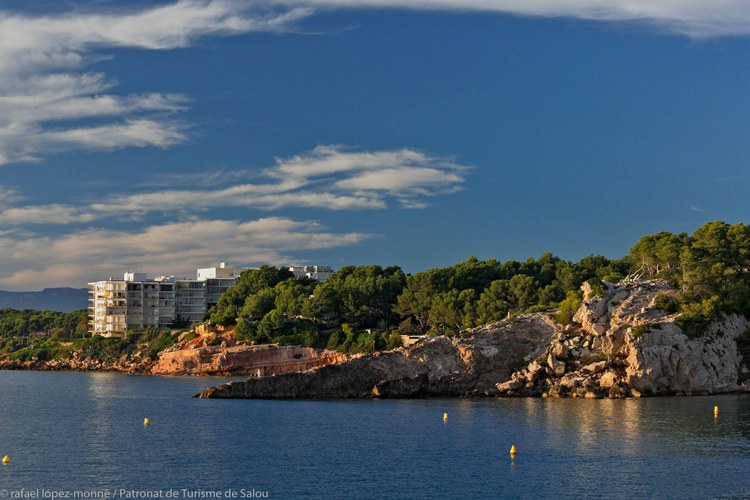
{"x": 167, "y": 136}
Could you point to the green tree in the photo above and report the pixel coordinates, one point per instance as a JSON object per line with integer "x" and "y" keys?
{"x": 494, "y": 302}
{"x": 568, "y": 308}
{"x": 259, "y": 304}
{"x": 362, "y": 295}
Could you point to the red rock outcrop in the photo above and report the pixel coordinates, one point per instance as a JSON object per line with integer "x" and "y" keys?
{"x": 468, "y": 364}
{"x": 253, "y": 360}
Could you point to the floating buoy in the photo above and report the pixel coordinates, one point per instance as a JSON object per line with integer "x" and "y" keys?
{"x": 445, "y": 417}
{"x": 6, "y": 459}
{"x": 716, "y": 411}
{"x": 145, "y": 421}
{"x": 513, "y": 451}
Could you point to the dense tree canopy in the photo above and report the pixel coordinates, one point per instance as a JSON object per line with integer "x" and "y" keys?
{"x": 360, "y": 308}
{"x": 711, "y": 269}
{"x": 363, "y": 308}
{"x": 14, "y": 323}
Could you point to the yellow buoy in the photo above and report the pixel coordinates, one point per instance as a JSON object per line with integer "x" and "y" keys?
{"x": 145, "y": 421}
{"x": 513, "y": 451}
{"x": 6, "y": 459}
{"x": 445, "y": 417}
{"x": 716, "y": 411}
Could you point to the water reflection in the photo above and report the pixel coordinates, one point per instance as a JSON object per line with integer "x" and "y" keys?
{"x": 627, "y": 426}
{"x": 86, "y": 431}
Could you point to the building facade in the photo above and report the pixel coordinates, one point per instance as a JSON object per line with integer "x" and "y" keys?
{"x": 137, "y": 301}
{"x": 116, "y": 306}
{"x": 319, "y": 273}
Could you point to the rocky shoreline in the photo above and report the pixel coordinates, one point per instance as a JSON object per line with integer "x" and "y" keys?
{"x": 620, "y": 345}
{"x": 201, "y": 360}
{"x": 468, "y": 364}
{"x": 627, "y": 346}
{"x": 80, "y": 364}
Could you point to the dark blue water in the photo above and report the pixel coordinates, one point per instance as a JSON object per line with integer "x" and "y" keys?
{"x": 84, "y": 432}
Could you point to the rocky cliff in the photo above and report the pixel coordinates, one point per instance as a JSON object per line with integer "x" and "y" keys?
{"x": 79, "y": 361}
{"x": 468, "y": 364}
{"x": 622, "y": 344}
{"x": 261, "y": 360}
{"x": 625, "y": 345}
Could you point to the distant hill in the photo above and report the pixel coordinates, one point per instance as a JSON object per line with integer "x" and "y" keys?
{"x": 49, "y": 299}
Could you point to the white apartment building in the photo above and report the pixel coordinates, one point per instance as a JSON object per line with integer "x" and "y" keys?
{"x": 136, "y": 301}
{"x": 320, "y": 273}
{"x": 217, "y": 280}
{"x": 222, "y": 271}
{"x": 116, "y": 306}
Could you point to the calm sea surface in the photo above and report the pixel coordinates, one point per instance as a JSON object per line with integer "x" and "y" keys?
{"x": 84, "y": 432}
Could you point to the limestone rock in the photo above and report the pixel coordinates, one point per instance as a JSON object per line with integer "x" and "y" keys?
{"x": 560, "y": 350}
{"x": 607, "y": 358}
{"x": 259, "y": 360}
{"x": 608, "y": 380}
{"x": 473, "y": 362}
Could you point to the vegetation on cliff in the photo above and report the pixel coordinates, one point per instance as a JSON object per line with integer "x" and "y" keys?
{"x": 362, "y": 309}
{"x": 30, "y": 335}
{"x": 367, "y": 308}
{"x": 28, "y": 322}
{"x": 711, "y": 268}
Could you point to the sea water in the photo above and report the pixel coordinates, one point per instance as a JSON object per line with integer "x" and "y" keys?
{"x": 81, "y": 435}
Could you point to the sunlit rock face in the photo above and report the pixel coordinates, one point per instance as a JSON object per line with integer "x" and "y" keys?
{"x": 621, "y": 344}
{"x": 468, "y": 364}
{"x": 624, "y": 345}
{"x": 258, "y": 360}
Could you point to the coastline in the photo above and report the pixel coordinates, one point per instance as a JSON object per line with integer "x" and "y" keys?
{"x": 620, "y": 344}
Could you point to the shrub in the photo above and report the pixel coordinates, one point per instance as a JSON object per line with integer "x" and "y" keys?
{"x": 666, "y": 303}
{"x": 597, "y": 288}
{"x": 393, "y": 341}
{"x": 568, "y": 308}
{"x": 333, "y": 341}
{"x": 696, "y": 316}
{"x": 641, "y": 329}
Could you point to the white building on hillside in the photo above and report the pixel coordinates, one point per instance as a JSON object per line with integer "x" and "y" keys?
{"x": 116, "y": 306}
{"x": 223, "y": 271}
{"x": 320, "y": 273}
{"x": 217, "y": 280}
{"x": 136, "y": 301}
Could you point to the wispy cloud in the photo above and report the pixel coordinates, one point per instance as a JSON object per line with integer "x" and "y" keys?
{"x": 696, "y": 209}
{"x": 219, "y": 177}
{"x": 46, "y": 90}
{"x": 694, "y": 18}
{"x": 731, "y": 178}
{"x": 8, "y": 196}
{"x": 44, "y": 214}
{"x": 175, "y": 248}
{"x": 328, "y": 177}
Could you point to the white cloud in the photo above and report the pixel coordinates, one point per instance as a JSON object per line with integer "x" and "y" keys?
{"x": 8, "y": 196}
{"x": 43, "y": 77}
{"x": 694, "y": 18}
{"x": 328, "y": 177}
{"x": 402, "y": 179}
{"x": 43, "y": 58}
{"x": 44, "y": 214}
{"x": 35, "y": 261}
